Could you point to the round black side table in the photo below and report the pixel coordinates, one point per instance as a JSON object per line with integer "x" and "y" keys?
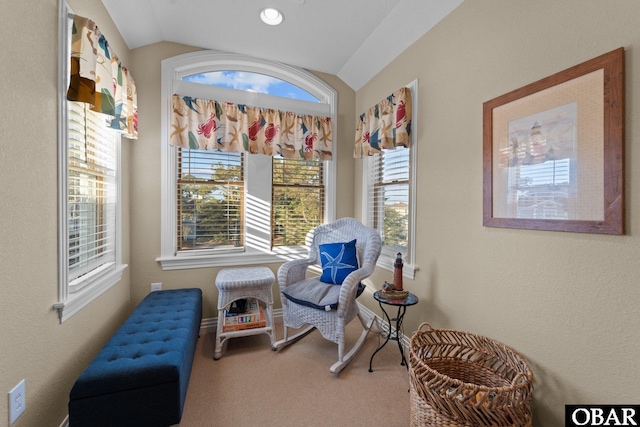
{"x": 402, "y": 308}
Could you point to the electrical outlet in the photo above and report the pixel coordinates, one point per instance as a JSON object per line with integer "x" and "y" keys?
{"x": 156, "y": 287}
{"x": 17, "y": 402}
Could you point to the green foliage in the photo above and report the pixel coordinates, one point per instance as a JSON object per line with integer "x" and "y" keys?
{"x": 395, "y": 228}
{"x": 298, "y": 200}
{"x": 211, "y": 211}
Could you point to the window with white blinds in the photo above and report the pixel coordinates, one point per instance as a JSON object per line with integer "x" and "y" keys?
{"x": 91, "y": 210}
{"x": 250, "y": 209}
{"x": 89, "y": 198}
{"x": 210, "y": 191}
{"x": 297, "y": 199}
{"x": 388, "y": 198}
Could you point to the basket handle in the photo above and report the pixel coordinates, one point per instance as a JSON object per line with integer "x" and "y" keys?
{"x": 424, "y": 324}
{"x": 518, "y": 379}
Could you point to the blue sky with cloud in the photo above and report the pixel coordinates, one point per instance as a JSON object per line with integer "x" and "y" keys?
{"x": 254, "y": 82}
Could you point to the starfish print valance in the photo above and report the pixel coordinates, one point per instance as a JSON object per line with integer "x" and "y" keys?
{"x": 99, "y": 79}
{"x": 213, "y": 125}
{"x": 386, "y": 125}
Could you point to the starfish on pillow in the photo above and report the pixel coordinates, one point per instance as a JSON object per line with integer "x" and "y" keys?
{"x": 336, "y": 263}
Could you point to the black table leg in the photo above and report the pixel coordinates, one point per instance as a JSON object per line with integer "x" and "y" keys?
{"x": 398, "y": 319}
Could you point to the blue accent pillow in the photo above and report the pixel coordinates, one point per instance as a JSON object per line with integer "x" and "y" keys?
{"x": 338, "y": 261}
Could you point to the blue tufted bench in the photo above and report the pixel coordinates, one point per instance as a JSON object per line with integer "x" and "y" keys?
{"x": 140, "y": 376}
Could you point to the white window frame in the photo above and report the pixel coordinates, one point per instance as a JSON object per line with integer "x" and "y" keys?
{"x": 73, "y": 296}
{"x": 257, "y": 189}
{"x": 388, "y": 256}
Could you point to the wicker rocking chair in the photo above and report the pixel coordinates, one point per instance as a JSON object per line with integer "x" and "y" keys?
{"x": 328, "y": 307}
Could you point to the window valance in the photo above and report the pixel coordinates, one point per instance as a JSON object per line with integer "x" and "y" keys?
{"x": 213, "y": 125}
{"x": 99, "y": 79}
{"x": 386, "y": 125}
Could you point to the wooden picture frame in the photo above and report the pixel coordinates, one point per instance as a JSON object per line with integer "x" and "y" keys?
{"x": 553, "y": 151}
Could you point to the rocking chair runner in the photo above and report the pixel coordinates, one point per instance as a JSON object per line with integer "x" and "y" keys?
{"x": 328, "y": 307}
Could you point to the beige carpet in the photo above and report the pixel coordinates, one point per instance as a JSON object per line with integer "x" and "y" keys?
{"x": 253, "y": 385}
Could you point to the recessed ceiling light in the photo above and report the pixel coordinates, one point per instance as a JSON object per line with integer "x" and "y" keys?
{"x": 271, "y": 16}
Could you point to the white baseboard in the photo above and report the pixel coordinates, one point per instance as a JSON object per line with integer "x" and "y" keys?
{"x": 382, "y": 324}
{"x": 210, "y": 324}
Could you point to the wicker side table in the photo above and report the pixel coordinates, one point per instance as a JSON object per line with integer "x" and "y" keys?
{"x": 239, "y": 283}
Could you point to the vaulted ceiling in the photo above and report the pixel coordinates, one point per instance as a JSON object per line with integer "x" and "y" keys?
{"x": 353, "y": 39}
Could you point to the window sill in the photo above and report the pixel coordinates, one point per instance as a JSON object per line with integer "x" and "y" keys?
{"x": 78, "y": 300}
{"x": 250, "y": 257}
{"x": 386, "y": 262}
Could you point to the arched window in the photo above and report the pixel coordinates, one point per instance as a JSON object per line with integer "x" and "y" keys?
{"x": 251, "y": 82}
{"x": 222, "y": 208}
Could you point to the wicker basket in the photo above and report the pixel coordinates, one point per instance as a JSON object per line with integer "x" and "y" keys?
{"x": 458, "y": 379}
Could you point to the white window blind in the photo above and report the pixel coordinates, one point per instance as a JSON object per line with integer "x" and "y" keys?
{"x": 92, "y": 163}
{"x": 233, "y": 78}
{"x": 89, "y": 211}
{"x": 210, "y": 191}
{"x": 298, "y": 199}
{"x": 388, "y": 198}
